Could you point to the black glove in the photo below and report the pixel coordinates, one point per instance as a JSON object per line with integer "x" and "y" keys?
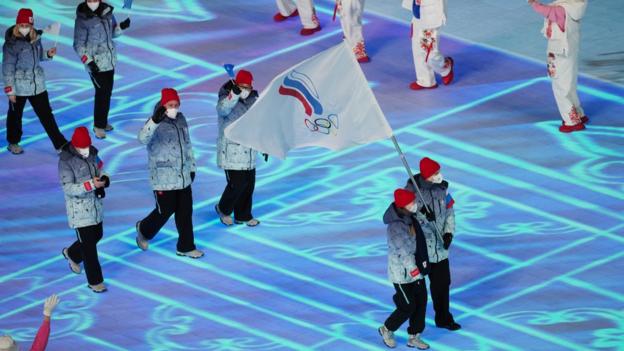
{"x": 266, "y": 157}
{"x": 430, "y": 215}
{"x": 100, "y": 193}
{"x": 192, "y": 176}
{"x": 159, "y": 114}
{"x": 104, "y": 178}
{"x": 93, "y": 67}
{"x": 235, "y": 89}
{"x": 124, "y": 24}
{"x": 448, "y": 238}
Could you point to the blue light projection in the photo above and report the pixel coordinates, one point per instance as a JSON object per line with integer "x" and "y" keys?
{"x": 540, "y": 214}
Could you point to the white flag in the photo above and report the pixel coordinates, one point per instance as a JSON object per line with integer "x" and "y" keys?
{"x": 323, "y": 101}
{"x": 53, "y": 30}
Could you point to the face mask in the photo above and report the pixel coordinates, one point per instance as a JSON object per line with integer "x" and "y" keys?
{"x": 245, "y": 93}
{"x": 24, "y": 31}
{"x": 172, "y": 113}
{"x": 437, "y": 179}
{"x": 413, "y": 208}
{"x": 83, "y": 152}
{"x": 93, "y": 5}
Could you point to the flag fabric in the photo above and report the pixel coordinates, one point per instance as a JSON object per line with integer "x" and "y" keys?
{"x": 127, "y": 4}
{"x": 53, "y": 30}
{"x": 323, "y": 101}
{"x": 99, "y": 162}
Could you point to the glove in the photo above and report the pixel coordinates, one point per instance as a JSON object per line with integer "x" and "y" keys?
{"x": 159, "y": 114}
{"x": 49, "y": 304}
{"x": 100, "y": 193}
{"x": 430, "y": 215}
{"x": 124, "y": 24}
{"x": 266, "y": 157}
{"x": 235, "y": 89}
{"x": 93, "y": 67}
{"x": 448, "y": 238}
{"x": 192, "y": 176}
{"x": 106, "y": 180}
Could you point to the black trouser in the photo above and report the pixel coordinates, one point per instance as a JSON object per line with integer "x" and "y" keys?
{"x": 85, "y": 250}
{"x": 411, "y": 302}
{"x": 238, "y": 194}
{"x": 103, "y": 83}
{"x": 178, "y": 202}
{"x": 41, "y": 105}
{"x": 439, "y": 284}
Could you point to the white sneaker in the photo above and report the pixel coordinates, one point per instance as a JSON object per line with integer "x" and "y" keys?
{"x": 192, "y": 254}
{"x": 388, "y": 336}
{"x": 414, "y": 341}
{"x": 227, "y": 220}
{"x": 141, "y": 241}
{"x": 15, "y": 149}
{"x": 98, "y": 288}
{"x": 99, "y": 133}
{"x": 250, "y": 223}
{"x": 108, "y": 128}
{"x": 75, "y": 267}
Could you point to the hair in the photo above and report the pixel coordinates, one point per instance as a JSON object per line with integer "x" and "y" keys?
{"x": 33, "y": 33}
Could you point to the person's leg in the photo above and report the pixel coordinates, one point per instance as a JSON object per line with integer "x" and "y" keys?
{"x": 184, "y": 220}
{"x": 41, "y": 106}
{"x": 286, "y": 7}
{"x": 236, "y": 185}
{"x": 89, "y": 237}
{"x": 351, "y": 22}
{"x": 437, "y": 61}
{"x": 74, "y": 252}
{"x": 166, "y": 203}
{"x": 421, "y": 44}
{"x": 103, "y": 83}
{"x": 307, "y": 14}
{"x": 244, "y": 203}
{"x": 561, "y": 71}
{"x": 14, "y": 120}
{"x": 403, "y": 299}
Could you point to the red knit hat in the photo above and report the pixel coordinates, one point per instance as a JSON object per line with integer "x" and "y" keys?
{"x": 403, "y": 197}
{"x": 169, "y": 94}
{"x": 81, "y": 138}
{"x": 428, "y": 167}
{"x": 244, "y": 77}
{"x": 25, "y": 16}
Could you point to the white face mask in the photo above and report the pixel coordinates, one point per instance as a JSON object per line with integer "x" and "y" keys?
{"x": 437, "y": 179}
{"x": 245, "y": 93}
{"x": 172, "y": 113}
{"x": 83, "y": 152}
{"x": 93, "y": 5}
{"x": 24, "y": 31}
{"x": 412, "y": 208}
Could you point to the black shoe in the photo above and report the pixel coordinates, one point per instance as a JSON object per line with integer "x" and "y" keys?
{"x": 452, "y": 326}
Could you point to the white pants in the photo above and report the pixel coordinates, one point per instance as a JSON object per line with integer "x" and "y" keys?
{"x": 351, "y": 21}
{"x": 427, "y": 58}
{"x": 306, "y": 11}
{"x": 563, "y": 70}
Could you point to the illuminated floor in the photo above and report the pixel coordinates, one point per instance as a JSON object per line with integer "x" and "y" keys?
{"x": 539, "y": 248}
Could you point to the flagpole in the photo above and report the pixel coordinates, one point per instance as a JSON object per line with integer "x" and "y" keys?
{"x": 412, "y": 179}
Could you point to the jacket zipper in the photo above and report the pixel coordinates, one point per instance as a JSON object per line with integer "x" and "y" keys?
{"x": 181, "y": 154}
{"x": 34, "y": 51}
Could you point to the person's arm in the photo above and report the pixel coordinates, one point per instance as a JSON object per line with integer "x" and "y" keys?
{"x": 41, "y": 340}
{"x": 227, "y": 102}
{"x": 9, "y": 60}
{"x": 449, "y": 223}
{"x": 69, "y": 186}
{"x": 149, "y": 128}
{"x": 554, "y": 14}
{"x": 80, "y": 41}
{"x": 407, "y": 258}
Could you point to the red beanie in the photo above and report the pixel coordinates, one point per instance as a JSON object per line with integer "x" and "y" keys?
{"x": 169, "y": 94}
{"x": 244, "y": 77}
{"x": 81, "y": 138}
{"x": 403, "y": 197}
{"x": 25, "y": 16}
{"x": 428, "y": 167}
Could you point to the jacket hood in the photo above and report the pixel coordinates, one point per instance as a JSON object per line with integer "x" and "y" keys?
{"x": 84, "y": 11}
{"x": 225, "y": 90}
{"x": 392, "y": 215}
{"x": 425, "y": 185}
{"x": 8, "y": 35}
{"x": 69, "y": 151}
